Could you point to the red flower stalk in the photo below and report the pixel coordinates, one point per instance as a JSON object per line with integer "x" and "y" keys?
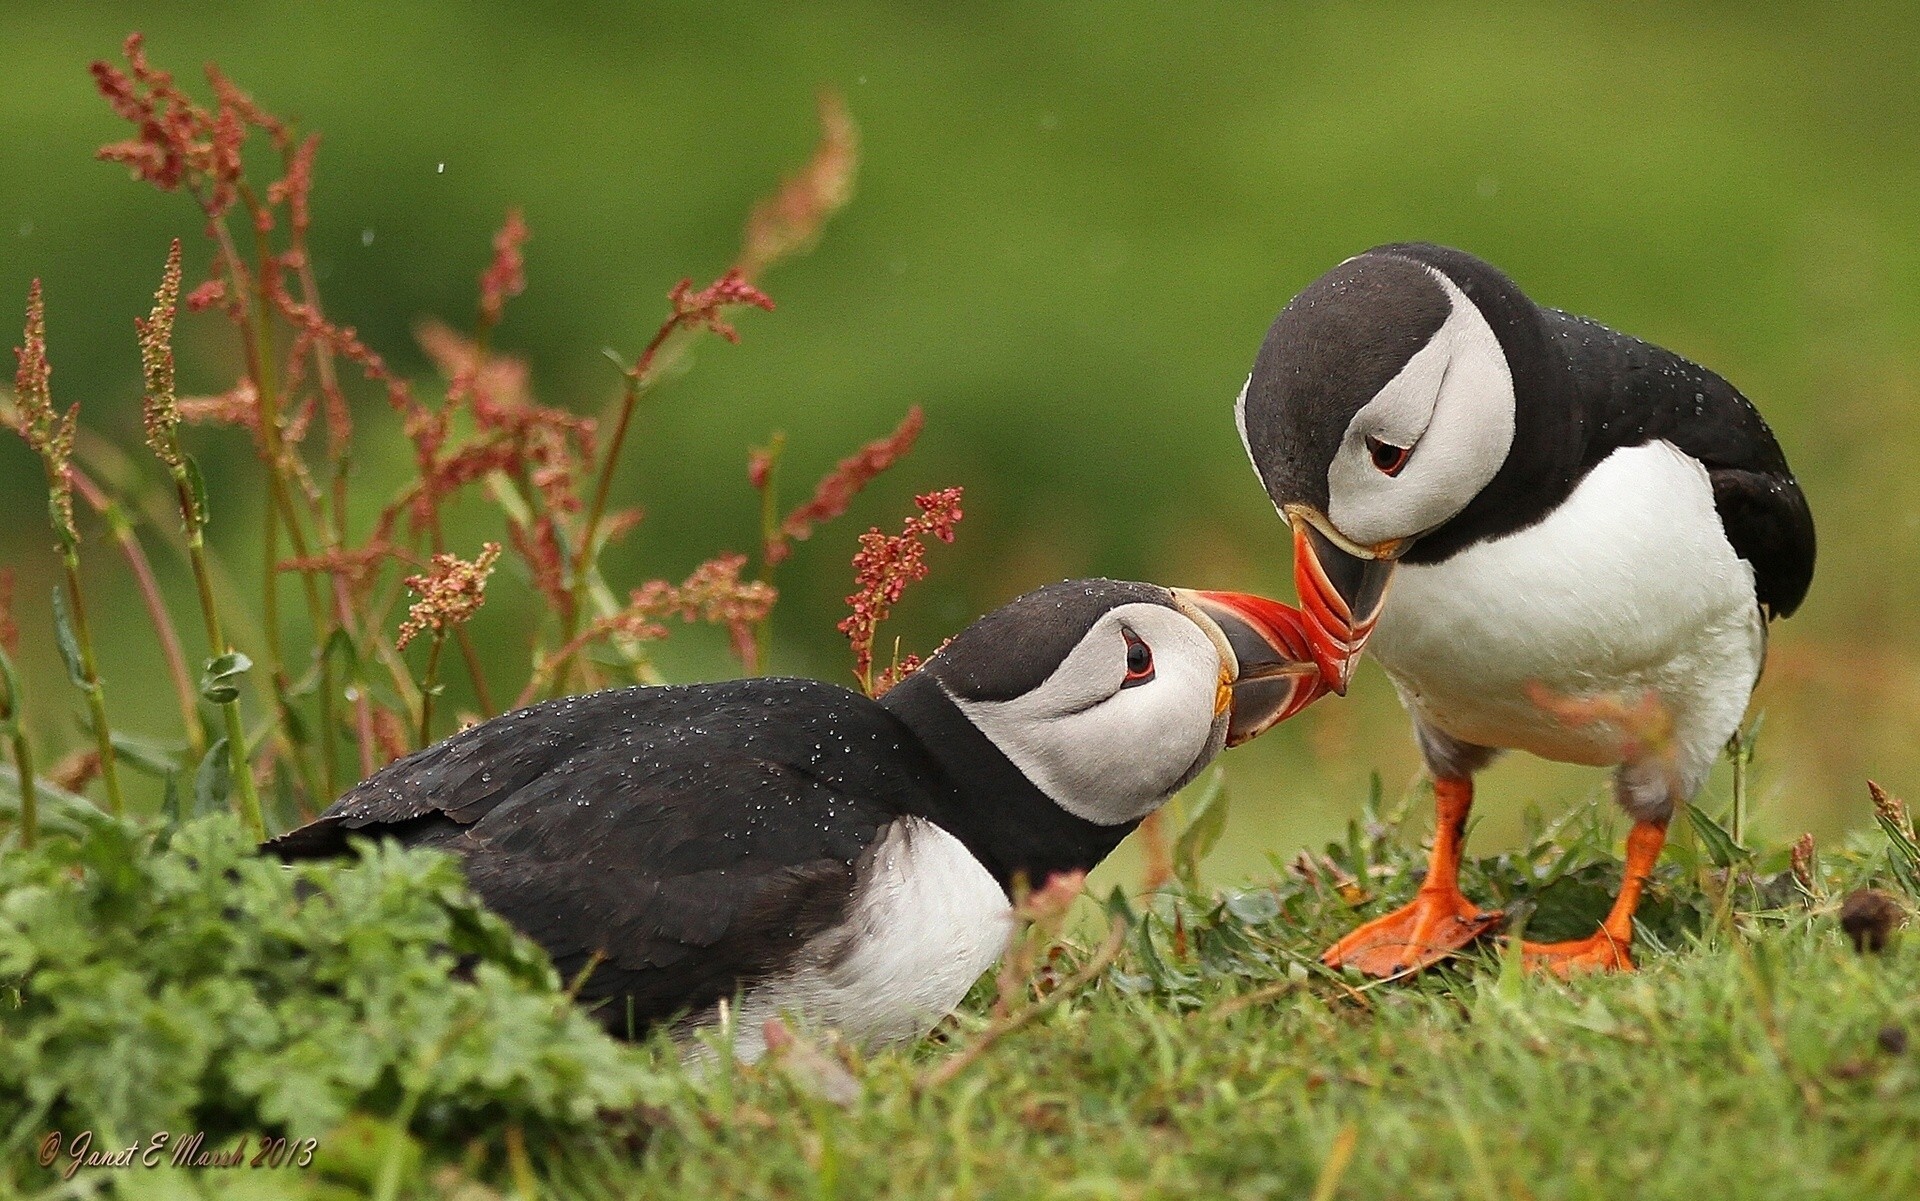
{"x": 356, "y": 568}
{"x": 178, "y": 141}
{"x": 294, "y": 188}
{"x": 701, "y": 310}
{"x": 450, "y": 593}
{"x": 790, "y": 220}
{"x": 506, "y": 276}
{"x": 838, "y": 488}
{"x": 714, "y": 593}
{"x": 238, "y": 405}
{"x": 206, "y": 295}
{"x": 232, "y": 96}
{"x": 885, "y": 565}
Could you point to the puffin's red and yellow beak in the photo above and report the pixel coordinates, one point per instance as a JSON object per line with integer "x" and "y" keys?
{"x": 1341, "y": 594}
{"x": 1274, "y": 674}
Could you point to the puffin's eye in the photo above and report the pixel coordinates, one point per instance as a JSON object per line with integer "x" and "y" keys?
{"x": 1386, "y": 456}
{"x": 1139, "y": 660}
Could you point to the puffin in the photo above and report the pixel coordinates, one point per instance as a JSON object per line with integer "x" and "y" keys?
{"x": 1553, "y": 537}
{"x": 788, "y": 847}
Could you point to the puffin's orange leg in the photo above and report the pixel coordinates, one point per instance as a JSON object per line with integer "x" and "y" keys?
{"x": 1438, "y": 921}
{"x": 1606, "y": 950}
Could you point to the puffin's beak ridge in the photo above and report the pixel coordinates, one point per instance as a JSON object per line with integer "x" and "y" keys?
{"x": 1276, "y": 674}
{"x": 1341, "y": 595}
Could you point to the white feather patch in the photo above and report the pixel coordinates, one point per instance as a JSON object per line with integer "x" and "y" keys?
{"x": 1629, "y": 586}
{"x": 927, "y": 923}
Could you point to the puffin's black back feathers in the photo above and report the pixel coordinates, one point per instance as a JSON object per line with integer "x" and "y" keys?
{"x": 696, "y": 837}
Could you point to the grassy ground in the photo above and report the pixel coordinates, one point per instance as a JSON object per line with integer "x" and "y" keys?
{"x": 1755, "y": 1053}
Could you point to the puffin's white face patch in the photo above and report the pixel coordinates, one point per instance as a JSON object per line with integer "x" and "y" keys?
{"x": 1108, "y": 753}
{"x": 1453, "y": 405}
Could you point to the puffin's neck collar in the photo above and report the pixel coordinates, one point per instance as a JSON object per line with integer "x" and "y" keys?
{"x": 1002, "y": 817}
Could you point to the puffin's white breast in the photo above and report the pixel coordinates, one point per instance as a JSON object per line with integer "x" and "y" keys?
{"x": 1629, "y": 585}
{"x": 927, "y": 922}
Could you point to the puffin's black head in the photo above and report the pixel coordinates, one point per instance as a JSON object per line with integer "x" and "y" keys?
{"x": 1109, "y": 696}
{"x": 1380, "y": 404}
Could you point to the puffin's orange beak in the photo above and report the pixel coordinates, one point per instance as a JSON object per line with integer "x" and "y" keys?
{"x": 1276, "y": 675}
{"x": 1341, "y": 595}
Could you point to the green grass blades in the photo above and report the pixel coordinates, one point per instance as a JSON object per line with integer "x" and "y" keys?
{"x": 1755, "y": 1053}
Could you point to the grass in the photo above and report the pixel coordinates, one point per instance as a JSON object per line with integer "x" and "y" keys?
{"x": 1755, "y": 1053}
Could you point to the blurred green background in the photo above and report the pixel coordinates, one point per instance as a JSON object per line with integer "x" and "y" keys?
{"x": 1072, "y": 227}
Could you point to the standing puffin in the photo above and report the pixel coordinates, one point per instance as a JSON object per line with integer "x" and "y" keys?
{"x": 1576, "y": 525}
{"x": 794, "y": 847}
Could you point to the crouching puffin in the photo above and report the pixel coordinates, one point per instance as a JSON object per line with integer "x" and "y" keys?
{"x": 1585, "y": 534}
{"x": 793, "y": 847}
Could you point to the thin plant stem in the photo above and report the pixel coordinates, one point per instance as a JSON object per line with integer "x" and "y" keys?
{"x": 29, "y": 791}
{"x": 170, "y": 651}
{"x": 192, "y": 519}
{"x": 769, "y": 534}
{"x": 427, "y": 685}
{"x": 90, "y": 681}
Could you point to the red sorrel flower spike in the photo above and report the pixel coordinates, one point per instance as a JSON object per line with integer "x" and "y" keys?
{"x": 853, "y": 473}
{"x": 231, "y": 96}
{"x": 450, "y": 592}
{"x": 789, "y": 221}
{"x": 883, "y": 567}
{"x": 702, "y": 309}
{"x": 293, "y": 188}
{"x": 506, "y": 276}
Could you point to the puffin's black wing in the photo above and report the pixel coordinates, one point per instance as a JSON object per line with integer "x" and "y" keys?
{"x": 695, "y": 837}
{"x": 1634, "y": 392}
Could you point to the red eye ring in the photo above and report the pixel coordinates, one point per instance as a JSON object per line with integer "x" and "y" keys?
{"x": 1139, "y": 659}
{"x": 1390, "y": 459}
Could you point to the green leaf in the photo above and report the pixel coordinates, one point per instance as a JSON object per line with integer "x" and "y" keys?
{"x": 64, "y": 639}
{"x": 1903, "y": 854}
{"x": 197, "y": 485}
{"x": 217, "y": 679}
{"x": 212, "y": 780}
{"x": 9, "y": 696}
{"x": 340, "y": 645}
{"x": 69, "y": 543}
{"x": 1204, "y": 828}
{"x": 157, "y": 761}
{"x": 1721, "y": 847}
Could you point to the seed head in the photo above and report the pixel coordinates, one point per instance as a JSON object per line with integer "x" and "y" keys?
{"x": 1870, "y": 917}
{"x": 450, "y": 592}
{"x": 160, "y": 411}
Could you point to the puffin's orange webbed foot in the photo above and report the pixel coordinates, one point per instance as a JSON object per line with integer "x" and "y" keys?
{"x": 1599, "y": 952}
{"x": 1418, "y": 935}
